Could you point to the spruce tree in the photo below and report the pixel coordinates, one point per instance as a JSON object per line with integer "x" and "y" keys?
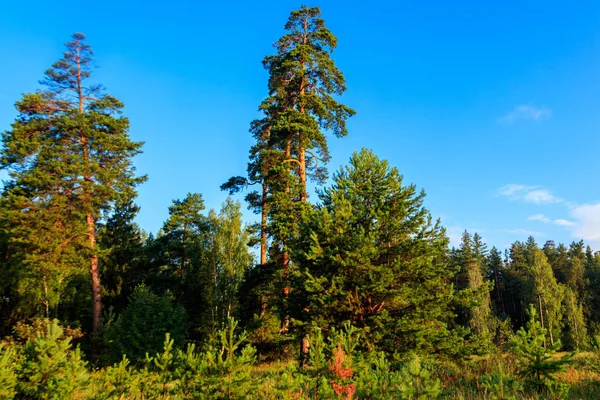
{"x": 475, "y": 291}
{"x": 69, "y": 157}
{"x": 122, "y": 242}
{"x": 177, "y": 257}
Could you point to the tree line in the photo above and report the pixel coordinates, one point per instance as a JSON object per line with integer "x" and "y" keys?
{"x": 367, "y": 255}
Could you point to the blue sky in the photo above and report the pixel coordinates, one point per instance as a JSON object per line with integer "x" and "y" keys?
{"x": 493, "y": 109}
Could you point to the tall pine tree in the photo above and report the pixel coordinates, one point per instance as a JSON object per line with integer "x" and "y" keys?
{"x": 69, "y": 156}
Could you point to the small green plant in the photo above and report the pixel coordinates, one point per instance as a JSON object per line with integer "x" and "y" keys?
{"x": 51, "y": 369}
{"x": 536, "y": 362}
{"x": 417, "y": 382}
{"x": 499, "y": 386}
{"x": 8, "y": 371}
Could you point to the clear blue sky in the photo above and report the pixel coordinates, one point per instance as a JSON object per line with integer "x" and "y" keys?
{"x": 493, "y": 109}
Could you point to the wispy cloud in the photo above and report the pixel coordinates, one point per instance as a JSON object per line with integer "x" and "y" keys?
{"x": 564, "y": 222}
{"x": 529, "y": 194}
{"x": 539, "y": 217}
{"x": 526, "y": 112}
{"x": 546, "y": 220}
{"x": 523, "y": 232}
{"x": 584, "y": 221}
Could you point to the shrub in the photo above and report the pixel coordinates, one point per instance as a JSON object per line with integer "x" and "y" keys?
{"x": 140, "y": 329}
{"x": 535, "y": 357}
{"x": 8, "y": 371}
{"x": 51, "y": 369}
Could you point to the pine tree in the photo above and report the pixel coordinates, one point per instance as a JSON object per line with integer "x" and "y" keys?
{"x": 182, "y": 234}
{"x": 177, "y": 258}
{"x": 495, "y": 270}
{"x": 371, "y": 255}
{"x": 69, "y": 159}
{"x": 291, "y": 143}
{"x": 475, "y": 294}
{"x": 536, "y": 364}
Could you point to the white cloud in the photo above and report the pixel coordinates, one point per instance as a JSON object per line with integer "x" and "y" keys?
{"x": 587, "y": 225}
{"x": 546, "y": 220}
{"x": 541, "y": 196}
{"x": 583, "y": 224}
{"x": 529, "y": 194}
{"x": 523, "y": 232}
{"x": 526, "y": 112}
{"x": 539, "y": 217}
{"x": 564, "y": 222}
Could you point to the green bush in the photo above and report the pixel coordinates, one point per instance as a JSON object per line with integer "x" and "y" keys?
{"x": 51, "y": 369}
{"x": 537, "y": 366}
{"x": 8, "y": 371}
{"x": 141, "y": 328}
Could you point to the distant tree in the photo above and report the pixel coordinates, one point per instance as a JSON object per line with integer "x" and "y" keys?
{"x": 69, "y": 158}
{"x": 475, "y": 297}
{"x": 123, "y": 243}
{"x": 227, "y": 258}
{"x": 176, "y": 258}
{"x": 574, "y": 326}
{"x": 495, "y": 273}
{"x": 182, "y": 233}
{"x": 548, "y": 295}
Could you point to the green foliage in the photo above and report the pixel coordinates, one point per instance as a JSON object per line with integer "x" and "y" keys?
{"x": 535, "y": 351}
{"x": 499, "y": 386}
{"x": 365, "y": 278}
{"x": 69, "y": 159}
{"x": 51, "y": 370}
{"x": 372, "y": 256}
{"x": 122, "y": 259}
{"x": 141, "y": 327}
{"x": 8, "y": 372}
{"x": 473, "y": 301}
{"x": 417, "y": 381}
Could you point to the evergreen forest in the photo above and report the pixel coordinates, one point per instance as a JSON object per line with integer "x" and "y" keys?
{"x": 352, "y": 291}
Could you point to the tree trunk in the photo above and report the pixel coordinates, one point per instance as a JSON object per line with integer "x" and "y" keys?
{"x": 542, "y": 318}
{"x": 498, "y": 292}
{"x": 90, "y": 221}
{"x": 301, "y": 145}
{"x": 96, "y": 286}
{"x": 263, "y": 225}
{"x": 302, "y": 159}
{"x": 265, "y": 206}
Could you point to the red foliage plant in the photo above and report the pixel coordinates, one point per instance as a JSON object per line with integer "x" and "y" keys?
{"x": 342, "y": 373}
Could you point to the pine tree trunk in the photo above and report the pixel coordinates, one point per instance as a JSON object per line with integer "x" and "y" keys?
{"x": 302, "y": 159}
{"x": 96, "y": 286}
{"x": 91, "y": 224}
{"x": 266, "y": 136}
{"x": 263, "y": 226}
{"x": 302, "y": 147}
